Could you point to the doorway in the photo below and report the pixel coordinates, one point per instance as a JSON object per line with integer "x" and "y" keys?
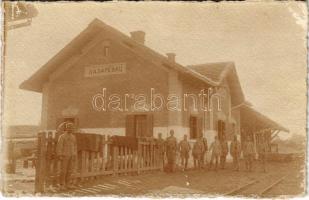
{"x": 221, "y": 129}
{"x": 139, "y": 125}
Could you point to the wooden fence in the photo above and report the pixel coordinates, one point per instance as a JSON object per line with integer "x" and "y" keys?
{"x": 110, "y": 160}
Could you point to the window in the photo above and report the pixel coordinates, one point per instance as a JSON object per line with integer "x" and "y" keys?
{"x": 193, "y": 127}
{"x": 106, "y": 50}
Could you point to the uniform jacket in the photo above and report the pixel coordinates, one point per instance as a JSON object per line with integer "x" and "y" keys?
{"x": 198, "y": 147}
{"x": 224, "y": 147}
{"x": 184, "y": 146}
{"x": 205, "y": 144}
{"x": 66, "y": 145}
{"x": 248, "y": 148}
{"x": 216, "y": 147}
{"x": 161, "y": 145}
{"x": 235, "y": 148}
{"x": 171, "y": 144}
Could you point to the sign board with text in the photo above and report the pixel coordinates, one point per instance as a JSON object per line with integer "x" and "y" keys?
{"x": 105, "y": 69}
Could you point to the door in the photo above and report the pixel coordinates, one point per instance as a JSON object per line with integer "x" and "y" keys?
{"x": 221, "y": 129}
{"x": 140, "y": 125}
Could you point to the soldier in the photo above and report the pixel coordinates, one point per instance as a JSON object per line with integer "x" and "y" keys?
{"x": 262, "y": 150}
{"x": 171, "y": 147}
{"x": 161, "y": 149}
{"x": 66, "y": 151}
{"x": 235, "y": 150}
{"x": 248, "y": 153}
{"x": 224, "y": 151}
{"x": 204, "y": 155}
{"x": 216, "y": 152}
{"x": 184, "y": 148}
{"x": 197, "y": 153}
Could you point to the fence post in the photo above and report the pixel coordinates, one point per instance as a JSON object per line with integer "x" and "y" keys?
{"x": 152, "y": 155}
{"x": 41, "y": 163}
{"x": 138, "y": 155}
{"x": 115, "y": 159}
{"x": 49, "y": 152}
{"x": 104, "y": 144}
{"x": 109, "y": 158}
{"x": 83, "y": 169}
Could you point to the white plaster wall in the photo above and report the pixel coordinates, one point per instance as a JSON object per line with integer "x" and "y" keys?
{"x": 105, "y": 131}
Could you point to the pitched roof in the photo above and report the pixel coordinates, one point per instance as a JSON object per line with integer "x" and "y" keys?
{"x": 213, "y": 71}
{"x": 218, "y": 72}
{"x": 252, "y": 114}
{"x": 210, "y": 73}
{"x": 95, "y": 28}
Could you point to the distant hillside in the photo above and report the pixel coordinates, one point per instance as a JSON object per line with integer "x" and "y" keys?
{"x": 21, "y": 131}
{"x": 296, "y": 143}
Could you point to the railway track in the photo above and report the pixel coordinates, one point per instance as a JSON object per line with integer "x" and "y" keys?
{"x": 109, "y": 187}
{"x": 257, "y": 187}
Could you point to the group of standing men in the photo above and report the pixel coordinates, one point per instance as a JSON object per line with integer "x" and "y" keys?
{"x": 219, "y": 150}
{"x": 170, "y": 148}
{"x": 67, "y": 152}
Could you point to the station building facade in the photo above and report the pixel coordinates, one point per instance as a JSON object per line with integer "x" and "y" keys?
{"x": 109, "y": 83}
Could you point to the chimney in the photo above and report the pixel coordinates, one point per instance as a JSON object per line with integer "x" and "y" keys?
{"x": 171, "y": 57}
{"x": 138, "y": 36}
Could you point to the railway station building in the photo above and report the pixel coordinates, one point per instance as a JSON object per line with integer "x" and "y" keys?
{"x": 109, "y": 83}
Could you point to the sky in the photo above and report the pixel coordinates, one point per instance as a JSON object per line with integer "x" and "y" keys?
{"x": 266, "y": 41}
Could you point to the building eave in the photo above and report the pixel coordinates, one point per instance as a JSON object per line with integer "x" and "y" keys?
{"x": 264, "y": 119}
{"x": 36, "y": 81}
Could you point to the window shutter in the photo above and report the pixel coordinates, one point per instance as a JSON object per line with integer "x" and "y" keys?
{"x": 199, "y": 126}
{"x": 130, "y": 126}
{"x": 150, "y": 125}
{"x": 223, "y": 129}
{"x": 191, "y": 124}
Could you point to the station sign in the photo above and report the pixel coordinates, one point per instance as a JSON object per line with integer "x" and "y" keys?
{"x": 105, "y": 69}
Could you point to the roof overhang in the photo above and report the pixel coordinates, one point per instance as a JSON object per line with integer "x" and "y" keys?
{"x": 217, "y": 73}
{"x": 258, "y": 121}
{"x": 36, "y": 81}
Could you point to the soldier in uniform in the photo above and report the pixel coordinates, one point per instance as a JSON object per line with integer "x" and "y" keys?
{"x": 248, "y": 153}
{"x": 235, "y": 150}
{"x": 197, "y": 152}
{"x": 216, "y": 152}
{"x": 262, "y": 151}
{"x": 66, "y": 152}
{"x": 161, "y": 149}
{"x": 204, "y": 155}
{"x": 184, "y": 148}
{"x": 171, "y": 147}
{"x": 224, "y": 152}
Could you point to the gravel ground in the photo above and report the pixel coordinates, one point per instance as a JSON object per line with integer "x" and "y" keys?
{"x": 190, "y": 182}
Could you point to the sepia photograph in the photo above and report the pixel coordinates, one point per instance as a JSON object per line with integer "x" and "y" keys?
{"x": 154, "y": 99}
